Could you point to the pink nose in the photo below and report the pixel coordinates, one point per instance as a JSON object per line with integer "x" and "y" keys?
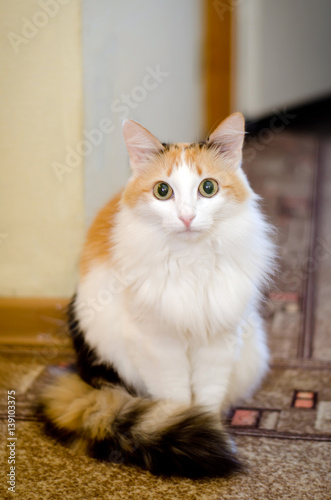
{"x": 187, "y": 219}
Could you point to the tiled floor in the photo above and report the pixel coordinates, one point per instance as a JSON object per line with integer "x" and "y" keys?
{"x": 283, "y": 433}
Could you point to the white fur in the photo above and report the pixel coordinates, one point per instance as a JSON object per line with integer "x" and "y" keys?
{"x": 176, "y": 310}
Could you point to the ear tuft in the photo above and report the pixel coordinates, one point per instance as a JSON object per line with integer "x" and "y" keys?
{"x": 228, "y": 137}
{"x": 140, "y": 143}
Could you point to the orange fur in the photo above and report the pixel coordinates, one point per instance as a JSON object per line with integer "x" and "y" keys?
{"x": 98, "y": 245}
{"x": 235, "y": 186}
{"x": 220, "y": 168}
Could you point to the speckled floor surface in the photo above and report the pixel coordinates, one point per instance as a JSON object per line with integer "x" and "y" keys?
{"x": 283, "y": 433}
{"x": 277, "y": 469}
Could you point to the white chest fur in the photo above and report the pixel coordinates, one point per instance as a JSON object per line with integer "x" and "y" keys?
{"x": 196, "y": 287}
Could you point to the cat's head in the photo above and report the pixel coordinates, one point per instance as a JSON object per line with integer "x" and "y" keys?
{"x": 187, "y": 188}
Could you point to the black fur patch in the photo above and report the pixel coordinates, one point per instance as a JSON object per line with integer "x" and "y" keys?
{"x": 167, "y": 146}
{"x": 200, "y": 145}
{"x": 192, "y": 447}
{"x": 89, "y": 368}
{"x": 66, "y": 438}
{"x": 120, "y": 446}
{"x": 126, "y": 420}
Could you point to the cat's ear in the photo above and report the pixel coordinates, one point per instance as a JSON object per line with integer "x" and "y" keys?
{"x": 228, "y": 137}
{"x": 140, "y": 143}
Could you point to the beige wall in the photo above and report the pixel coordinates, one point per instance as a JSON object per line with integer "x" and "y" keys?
{"x": 41, "y": 218}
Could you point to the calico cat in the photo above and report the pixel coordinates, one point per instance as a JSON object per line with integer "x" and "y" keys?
{"x": 165, "y": 319}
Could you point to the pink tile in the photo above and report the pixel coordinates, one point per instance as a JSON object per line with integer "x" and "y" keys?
{"x": 245, "y": 418}
{"x": 304, "y": 403}
{"x": 305, "y": 395}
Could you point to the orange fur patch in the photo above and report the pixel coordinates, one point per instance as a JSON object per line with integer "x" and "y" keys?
{"x": 235, "y": 186}
{"x": 71, "y": 404}
{"x": 220, "y": 168}
{"x": 97, "y": 245}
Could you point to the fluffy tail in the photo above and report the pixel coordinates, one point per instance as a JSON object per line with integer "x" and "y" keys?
{"x": 160, "y": 436}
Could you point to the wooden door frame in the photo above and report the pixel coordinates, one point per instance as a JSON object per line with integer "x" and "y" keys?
{"x": 218, "y": 64}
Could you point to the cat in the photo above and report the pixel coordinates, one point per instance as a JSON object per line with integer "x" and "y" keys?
{"x": 165, "y": 321}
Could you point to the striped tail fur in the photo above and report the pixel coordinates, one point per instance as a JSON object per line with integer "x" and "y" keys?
{"x": 160, "y": 436}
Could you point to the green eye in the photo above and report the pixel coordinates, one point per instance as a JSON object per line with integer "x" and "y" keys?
{"x": 208, "y": 188}
{"x": 162, "y": 191}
